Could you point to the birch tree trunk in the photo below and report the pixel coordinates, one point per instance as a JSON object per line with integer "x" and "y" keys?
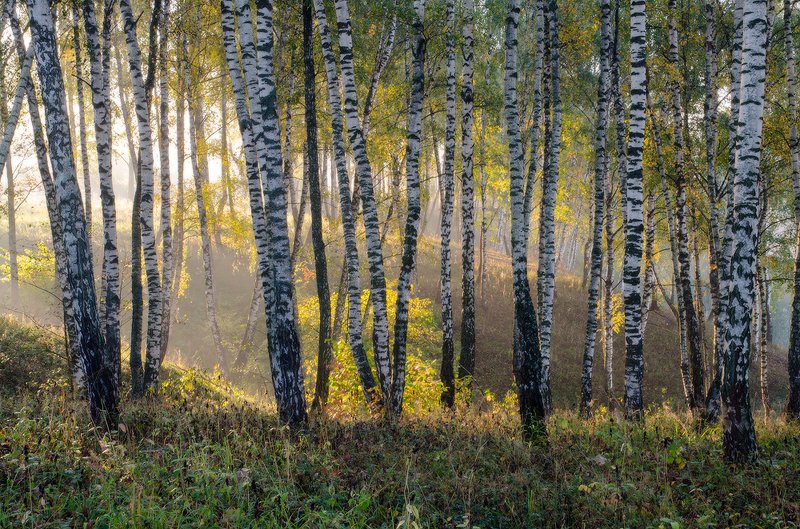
{"x": 620, "y": 130}
{"x": 739, "y": 440}
{"x": 409, "y": 259}
{"x": 380, "y": 321}
{"x": 154, "y": 307}
{"x": 16, "y": 106}
{"x": 284, "y": 343}
{"x": 714, "y": 247}
{"x": 713, "y": 400}
{"x": 354, "y": 327}
{"x": 133, "y": 158}
{"x": 325, "y": 346}
{"x": 180, "y": 207}
{"x": 100, "y": 380}
{"x": 79, "y": 80}
{"x": 681, "y": 234}
{"x": 200, "y": 169}
{"x": 53, "y": 212}
{"x": 448, "y": 177}
{"x": 546, "y": 275}
{"x": 632, "y": 267}
{"x": 263, "y": 285}
{"x": 608, "y": 284}
{"x": 761, "y": 336}
{"x": 100, "y": 64}
{"x": 368, "y": 384}
{"x": 599, "y": 199}
{"x": 466, "y": 360}
{"x": 648, "y": 288}
{"x": 527, "y": 355}
{"x": 167, "y": 261}
{"x": 11, "y": 122}
{"x": 793, "y": 400}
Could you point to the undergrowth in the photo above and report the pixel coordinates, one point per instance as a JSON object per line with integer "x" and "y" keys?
{"x": 204, "y": 454}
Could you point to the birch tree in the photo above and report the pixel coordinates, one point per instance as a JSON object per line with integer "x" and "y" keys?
{"x": 739, "y": 440}
{"x": 683, "y": 278}
{"x": 632, "y": 289}
{"x": 448, "y": 176}
{"x": 546, "y": 275}
{"x": 201, "y": 179}
{"x": 598, "y": 216}
{"x": 263, "y": 285}
{"x": 466, "y": 360}
{"x": 99, "y": 64}
{"x": 793, "y": 401}
{"x": 53, "y": 212}
{"x": 325, "y": 347}
{"x": 167, "y": 260}
{"x": 100, "y": 381}
{"x": 79, "y": 80}
{"x": 284, "y": 343}
{"x": 409, "y": 259}
{"x": 355, "y": 339}
{"x": 363, "y": 169}
{"x": 154, "y": 308}
{"x": 527, "y": 355}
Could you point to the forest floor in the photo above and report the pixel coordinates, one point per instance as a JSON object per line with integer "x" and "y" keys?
{"x": 206, "y": 455}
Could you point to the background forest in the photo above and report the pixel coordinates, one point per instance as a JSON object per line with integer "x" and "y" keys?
{"x": 429, "y": 263}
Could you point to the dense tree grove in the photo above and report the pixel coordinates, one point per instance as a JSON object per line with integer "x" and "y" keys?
{"x": 647, "y": 151}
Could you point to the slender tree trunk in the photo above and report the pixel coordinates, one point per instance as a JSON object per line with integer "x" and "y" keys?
{"x": 527, "y": 355}
{"x": 793, "y": 400}
{"x": 649, "y": 286}
{"x": 409, "y": 259}
{"x": 484, "y": 270}
{"x": 681, "y": 234}
{"x": 714, "y": 246}
{"x": 133, "y": 157}
{"x": 537, "y": 118}
{"x": 250, "y": 328}
{"x": 698, "y": 291}
{"x": 632, "y": 267}
{"x": 100, "y": 65}
{"x": 100, "y": 380}
{"x": 739, "y": 440}
{"x": 54, "y": 214}
{"x": 761, "y": 335}
{"x": 200, "y": 169}
{"x": 166, "y": 206}
{"x": 371, "y": 222}
{"x": 546, "y": 274}
{"x": 608, "y": 285}
{"x": 11, "y": 118}
{"x": 11, "y": 122}
{"x": 599, "y": 199}
{"x": 466, "y": 360}
{"x": 368, "y": 384}
{"x": 180, "y": 206}
{"x": 227, "y": 181}
{"x": 325, "y": 347}
{"x": 448, "y": 178}
{"x": 620, "y": 130}
{"x": 79, "y": 81}
{"x": 154, "y": 307}
{"x": 264, "y": 285}
{"x": 284, "y": 343}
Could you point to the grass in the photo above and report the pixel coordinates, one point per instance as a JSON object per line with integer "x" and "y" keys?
{"x": 206, "y": 455}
